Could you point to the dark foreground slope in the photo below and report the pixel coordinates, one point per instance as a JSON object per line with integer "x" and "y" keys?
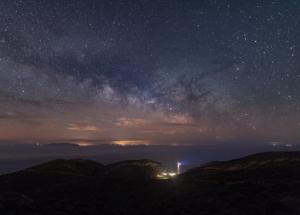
{"x": 267, "y": 183}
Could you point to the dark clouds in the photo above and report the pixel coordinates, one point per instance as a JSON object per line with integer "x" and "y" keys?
{"x": 226, "y": 67}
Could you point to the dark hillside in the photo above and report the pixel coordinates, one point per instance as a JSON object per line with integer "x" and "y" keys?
{"x": 261, "y": 184}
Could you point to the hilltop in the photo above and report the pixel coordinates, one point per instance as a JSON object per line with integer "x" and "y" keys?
{"x": 265, "y": 183}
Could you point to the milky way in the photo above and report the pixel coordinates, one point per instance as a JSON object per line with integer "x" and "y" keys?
{"x": 154, "y": 71}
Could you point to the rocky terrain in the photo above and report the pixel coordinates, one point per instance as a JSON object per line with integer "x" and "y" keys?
{"x": 265, "y": 183}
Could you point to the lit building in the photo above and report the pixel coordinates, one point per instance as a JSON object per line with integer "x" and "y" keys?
{"x": 178, "y": 167}
{"x": 169, "y": 174}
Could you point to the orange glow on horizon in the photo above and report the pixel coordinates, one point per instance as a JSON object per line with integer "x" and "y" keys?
{"x": 131, "y": 142}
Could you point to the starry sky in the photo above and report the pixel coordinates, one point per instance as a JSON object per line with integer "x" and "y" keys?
{"x": 150, "y": 71}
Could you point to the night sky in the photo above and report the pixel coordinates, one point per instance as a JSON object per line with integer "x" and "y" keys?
{"x": 150, "y": 71}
